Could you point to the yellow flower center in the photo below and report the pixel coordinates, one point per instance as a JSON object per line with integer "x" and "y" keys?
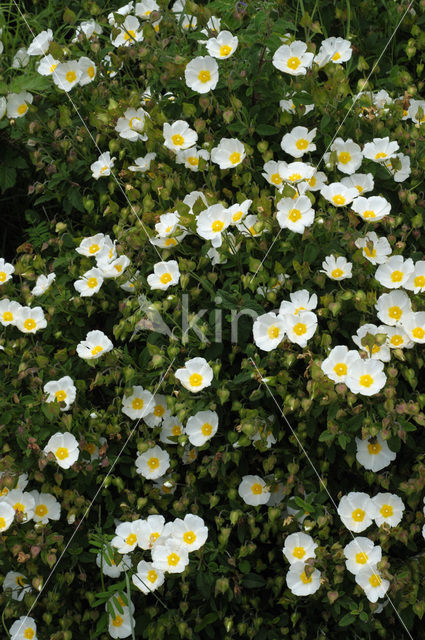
{"x": 294, "y": 215}
{"x": 152, "y": 576}
{"x": 418, "y": 333}
{"x": 397, "y": 276}
{"x": 29, "y": 324}
{"x": 225, "y": 50}
{"x": 204, "y": 76}
{"x": 294, "y": 177}
{"x": 312, "y": 181}
{"x": 29, "y": 633}
{"x": 366, "y": 380}
{"x": 93, "y": 248}
{"x": 374, "y": 448}
{"x": 117, "y": 621}
{"x": 71, "y": 76}
{"x": 338, "y": 199}
{"x": 380, "y": 155}
{"x": 256, "y": 488}
{"x": 386, "y": 511}
{"x": 344, "y": 157}
{"x": 153, "y": 463}
{"x": 60, "y": 395}
{"x": 90, "y": 71}
{"x": 165, "y": 278}
{"x": 153, "y": 538}
{"x": 173, "y": 559}
{"x": 235, "y": 157}
{"x": 340, "y": 369}
{"x": 195, "y": 380}
{"x": 361, "y": 558}
{"x": 18, "y": 506}
{"x": 3, "y": 276}
{"x": 304, "y": 579}
{"x": 358, "y": 515}
{"x": 176, "y": 430}
{"x": 395, "y": 313}
{"x": 300, "y": 328}
{"x": 90, "y": 447}
{"x": 53, "y": 67}
{"x": 177, "y": 139}
{"x": 301, "y": 144}
{"x": 62, "y": 453}
{"x": 96, "y": 350}
{"x": 206, "y": 429}
{"x": 396, "y": 340}
{"x": 375, "y": 580}
{"x": 276, "y": 178}
{"x": 159, "y": 411}
{"x": 293, "y": 62}
{"x": 189, "y": 537}
{"x": 336, "y": 56}
{"x": 337, "y": 273}
{"x": 137, "y": 404}
{"x": 130, "y": 35}
{"x": 2, "y": 523}
{"x": 20, "y": 581}
{"x": 369, "y": 253}
{"x": 92, "y": 283}
{"x": 273, "y": 332}
{"x": 170, "y": 242}
{"x": 237, "y": 216}
{"x": 131, "y": 539}
{"x": 193, "y": 161}
{"x": 104, "y": 168}
{"x": 359, "y": 188}
{"x": 40, "y": 510}
{"x": 298, "y": 552}
{"x": 22, "y": 109}
{"x": 419, "y": 281}
{"x": 217, "y": 225}
{"x": 369, "y": 213}
{"x": 8, "y": 316}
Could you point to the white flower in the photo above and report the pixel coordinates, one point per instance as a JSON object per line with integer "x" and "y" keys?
{"x": 356, "y": 511}
{"x": 315, "y": 183}
{"x": 413, "y": 110}
{"x": 130, "y": 126}
{"x": 17, "y": 583}
{"x": 42, "y": 284}
{"x": 295, "y": 172}
{"x": 361, "y": 552}
{"x": 87, "y": 70}
{"x": 7, "y": 515}
{"x": 213, "y": 26}
{"x": 94, "y": 346}
{"x": 338, "y": 363}
{"x": 46, "y": 507}
{"x": 238, "y": 211}
{"x": 201, "y": 74}
{"x": 374, "y": 249}
{"x": 144, "y": 8}
{"x": 17, "y": 105}
{"x": 298, "y": 141}
{"x": 188, "y": 22}
{"x": 151, "y": 532}
{"x": 89, "y": 283}
{"x": 363, "y": 182}
{"x": 64, "y": 447}
{"x": 348, "y": 155}
{"x": 416, "y": 280}
{"x": 299, "y": 582}
{"x": 395, "y": 272}
{"x": 171, "y": 428}
{"x": 114, "y": 268}
{"x": 102, "y": 166}
{"x": 128, "y": 33}
{"x": 196, "y": 374}
{"x": 288, "y": 106}
{"x": 179, "y": 135}
{"x": 170, "y": 557}
{"x": 190, "y": 533}
{"x": 131, "y": 283}
{"x": 92, "y": 246}
{"x": 153, "y": 463}
{"x": 380, "y": 150}
{"x": 268, "y": 331}
{"x": 126, "y": 536}
{"x": 299, "y": 546}
{"x": 389, "y": 509}
{"x": 393, "y": 307}
{"x": 301, "y": 300}
{"x": 40, "y": 44}
{"x": 272, "y": 173}
{"x": 122, "y": 11}
{"x": 66, "y": 75}
{"x": 122, "y": 623}
{"x": 336, "y": 50}
{"x": 295, "y": 215}
{"x": 301, "y": 328}
{"x": 8, "y": 311}
{"x": 106, "y": 562}
{"x": 223, "y": 46}
{"x": 211, "y": 222}
{"x": 190, "y": 157}
{"x": 88, "y": 28}
{"x": 366, "y": 377}
{"x": 23, "y": 628}
{"x": 377, "y": 352}
{"x": 403, "y": 172}
{"x": 30, "y": 320}
{"x": 397, "y": 337}
{"x": 229, "y": 153}
{"x": 62, "y": 390}
{"x": 293, "y": 59}
{"x": 158, "y": 412}
{"x": 139, "y": 404}
{"x": 338, "y": 194}
{"x": 414, "y": 326}
{"x": 253, "y": 490}
{"x": 143, "y": 163}
{"x": 147, "y": 578}
{"x": 337, "y": 268}
{"x": 20, "y": 59}
{"x": 371, "y": 209}
{"x": 201, "y": 427}
{"x": 3, "y": 106}
{"x": 166, "y": 274}
{"x": 372, "y": 583}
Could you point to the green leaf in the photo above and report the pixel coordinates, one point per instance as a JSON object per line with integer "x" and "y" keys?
{"x": 266, "y": 130}
{"x": 253, "y": 581}
{"x": 346, "y": 620}
{"x": 207, "y": 620}
{"x": 7, "y": 177}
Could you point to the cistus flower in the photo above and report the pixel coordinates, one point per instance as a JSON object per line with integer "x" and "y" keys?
{"x": 191, "y": 532}
{"x": 166, "y": 274}
{"x": 293, "y": 59}
{"x": 201, "y": 427}
{"x": 336, "y": 50}
{"x": 338, "y": 194}
{"x": 62, "y": 390}
{"x": 376, "y": 351}
{"x": 201, "y": 74}
{"x": 24, "y": 628}
{"x": 416, "y": 281}
{"x": 348, "y": 155}
{"x": 7, "y": 515}
{"x": 178, "y": 135}
{"x": 223, "y": 46}
{"x": 66, "y": 75}
{"x": 295, "y": 215}
{"x": 366, "y": 377}
{"x": 363, "y": 182}
{"x": 338, "y": 363}
{"x": 229, "y": 153}
{"x": 30, "y": 319}
{"x": 414, "y": 326}
{"x": 87, "y": 71}
{"x": 253, "y": 490}
{"x": 46, "y": 507}
{"x": 17, "y": 583}
{"x": 129, "y": 33}
{"x": 356, "y": 511}
{"x": 374, "y": 249}
{"x": 139, "y": 404}
{"x": 371, "y": 209}
{"x": 298, "y": 141}
{"x": 40, "y": 44}
{"x": 301, "y": 327}
{"x": 170, "y": 557}
{"x": 372, "y": 583}
{"x": 395, "y": 272}
{"x": 130, "y": 126}
{"x": 380, "y": 150}
{"x": 299, "y": 582}
{"x": 64, "y": 447}
{"x": 153, "y": 463}
{"x": 126, "y": 536}
{"x": 337, "y": 268}
{"x": 17, "y": 104}
{"x": 389, "y": 509}
{"x": 89, "y": 283}
{"x": 211, "y": 223}
{"x": 147, "y": 578}
{"x": 8, "y": 311}
{"x": 299, "y": 546}
{"x": 190, "y": 157}
{"x": 143, "y": 163}
{"x": 268, "y": 331}
{"x": 103, "y": 165}
{"x": 360, "y": 553}
{"x": 42, "y": 284}
{"x": 195, "y": 375}
{"x": 105, "y": 561}
{"x": 94, "y": 346}
{"x": 151, "y": 531}
{"x": 392, "y": 308}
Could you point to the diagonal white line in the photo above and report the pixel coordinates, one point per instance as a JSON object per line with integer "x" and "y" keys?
{"x": 320, "y": 479}
{"x": 92, "y": 138}
{"x": 341, "y": 123}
